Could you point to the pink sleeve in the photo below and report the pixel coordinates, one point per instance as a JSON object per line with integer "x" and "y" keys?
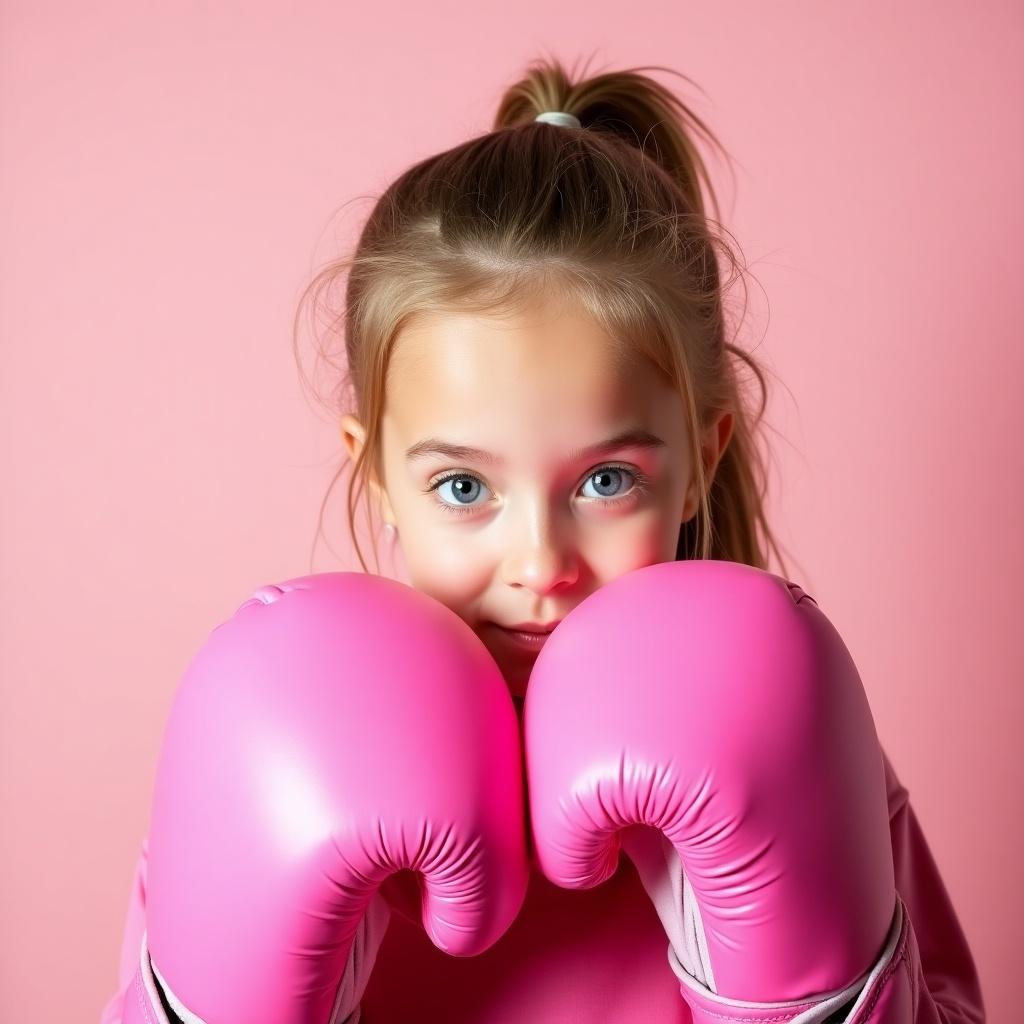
{"x": 941, "y": 976}
{"x": 131, "y": 943}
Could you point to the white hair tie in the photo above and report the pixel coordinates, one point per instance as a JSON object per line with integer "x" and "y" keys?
{"x": 560, "y": 117}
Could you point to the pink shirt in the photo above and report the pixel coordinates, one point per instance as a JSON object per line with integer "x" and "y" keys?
{"x": 601, "y": 955}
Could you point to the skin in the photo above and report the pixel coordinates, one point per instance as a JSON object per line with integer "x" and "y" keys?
{"x": 536, "y": 539}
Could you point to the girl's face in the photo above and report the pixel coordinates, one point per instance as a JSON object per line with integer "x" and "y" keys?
{"x": 510, "y": 504}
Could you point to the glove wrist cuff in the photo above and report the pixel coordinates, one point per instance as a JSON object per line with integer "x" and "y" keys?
{"x": 708, "y": 1007}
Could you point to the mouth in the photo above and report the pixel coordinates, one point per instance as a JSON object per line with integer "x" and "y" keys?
{"x": 518, "y": 639}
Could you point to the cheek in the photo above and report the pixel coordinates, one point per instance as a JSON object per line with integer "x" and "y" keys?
{"x": 641, "y": 541}
{"x": 451, "y": 573}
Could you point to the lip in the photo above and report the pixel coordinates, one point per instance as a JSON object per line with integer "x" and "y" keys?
{"x": 530, "y": 627}
{"x": 520, "y": 640}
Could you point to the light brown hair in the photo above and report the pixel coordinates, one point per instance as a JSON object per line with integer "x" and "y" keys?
{"x": 610, "y": 214}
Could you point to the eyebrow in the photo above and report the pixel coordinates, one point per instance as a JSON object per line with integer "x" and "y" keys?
{"x": 631, "y": 438}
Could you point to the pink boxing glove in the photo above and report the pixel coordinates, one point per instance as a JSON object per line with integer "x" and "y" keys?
{"x": 337, "y": 729}
{"x": 716, "y": 704}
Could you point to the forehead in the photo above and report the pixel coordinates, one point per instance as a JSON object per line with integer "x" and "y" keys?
{"x": 545, "y": 369}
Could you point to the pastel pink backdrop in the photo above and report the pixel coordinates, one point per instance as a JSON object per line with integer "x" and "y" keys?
{"x": 168, "y": 184}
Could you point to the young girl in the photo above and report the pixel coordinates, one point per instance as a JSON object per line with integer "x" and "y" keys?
{"x": 544, "y": 400}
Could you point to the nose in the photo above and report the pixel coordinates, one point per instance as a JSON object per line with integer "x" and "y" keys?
{"x": 539, "y": 560}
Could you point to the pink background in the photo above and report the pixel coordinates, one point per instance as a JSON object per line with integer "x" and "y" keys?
{"x": 170, "y": 177}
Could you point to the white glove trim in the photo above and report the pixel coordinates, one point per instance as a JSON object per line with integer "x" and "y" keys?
{"x": 661, "y": 873}
{"x": 152, "y": 977}
{"x": 369, "y": 935}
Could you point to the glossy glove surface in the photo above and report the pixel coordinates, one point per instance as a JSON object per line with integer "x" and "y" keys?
{"x": 337, "y": 729}
{"x": 716, "y": 704}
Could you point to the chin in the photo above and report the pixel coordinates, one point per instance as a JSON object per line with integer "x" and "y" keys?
{"x": 516, "y": 679}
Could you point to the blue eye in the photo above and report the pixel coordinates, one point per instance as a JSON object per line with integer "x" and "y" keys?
{"x": 468, "y": 485}
{"x": 462, "y": 479}
{"x": 605, "y": 474}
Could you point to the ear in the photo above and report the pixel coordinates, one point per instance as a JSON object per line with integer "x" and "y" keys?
{"x": 714, "y": 441}
{"x": 353, "y": 434}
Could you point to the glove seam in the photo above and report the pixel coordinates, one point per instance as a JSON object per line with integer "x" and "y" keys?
{"x": 143, "y": 994}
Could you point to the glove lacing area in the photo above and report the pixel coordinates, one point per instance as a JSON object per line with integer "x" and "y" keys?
{"x": 368, "y": 938}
